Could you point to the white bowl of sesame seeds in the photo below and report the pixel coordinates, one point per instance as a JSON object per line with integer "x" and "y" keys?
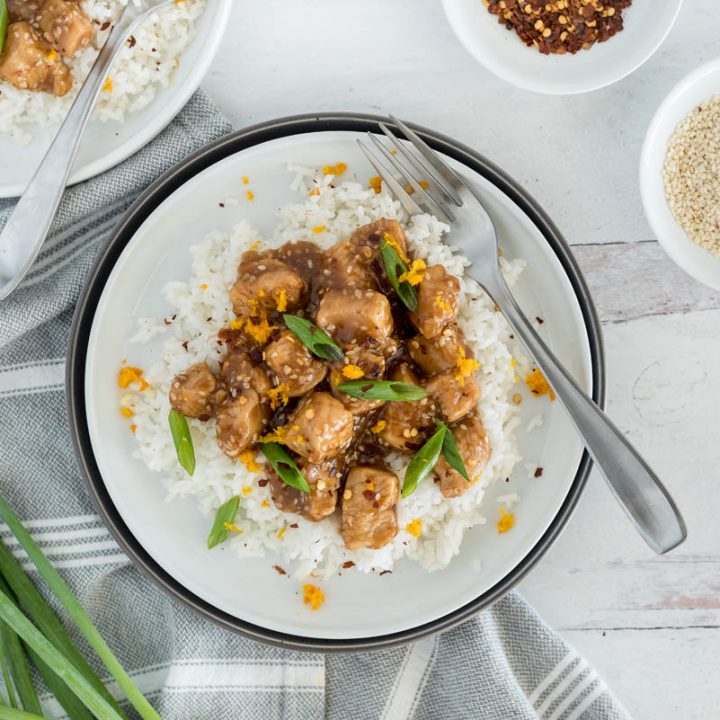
{"x": 680, "y": 174}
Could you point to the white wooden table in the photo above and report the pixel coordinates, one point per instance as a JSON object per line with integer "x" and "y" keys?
{"x": 651, "y": 626}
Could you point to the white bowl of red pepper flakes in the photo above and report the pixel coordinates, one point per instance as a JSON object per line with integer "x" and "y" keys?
{"x": 562, "y": 47}
{"x": 679, "y": 175}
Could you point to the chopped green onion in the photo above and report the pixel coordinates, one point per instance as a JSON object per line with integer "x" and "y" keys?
{"x": 451, "y": 452}
{"x": 63, "y": 593}
{"x": 423, "y": 462}
{"x": 3, "y": 22}
{"x": 382, "y": 390}
{"x": 226, "y": 514}
{"x": 394, "y": 268}
{"x": 183, "y": 441}
{"x": 57, "y": 662}
{"x": 285, "y": 466}
{"x": 313, "y": 338}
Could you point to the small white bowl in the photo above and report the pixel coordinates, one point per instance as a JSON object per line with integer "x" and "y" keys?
{"x": 646, "y": 25}
{"x": 696, "y": 88}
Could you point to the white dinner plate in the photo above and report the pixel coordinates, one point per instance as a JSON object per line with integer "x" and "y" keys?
{"x": 646, "y": 25}
{"x": 105, "y": 144}
{"x": 152, "y": 246}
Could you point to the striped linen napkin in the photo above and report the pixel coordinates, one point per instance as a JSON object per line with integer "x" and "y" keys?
{"x": 503, "y": 664}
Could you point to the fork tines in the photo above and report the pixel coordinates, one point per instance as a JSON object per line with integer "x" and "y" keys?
{"x": 418, "y": 178}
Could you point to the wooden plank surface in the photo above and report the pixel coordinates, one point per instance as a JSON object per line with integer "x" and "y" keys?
{"x": 649, "y": 625}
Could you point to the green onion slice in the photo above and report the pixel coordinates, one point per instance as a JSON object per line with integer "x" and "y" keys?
{"x": 226, "y": 514}
{"x": 451, "y": 452}
{"x": 3, "y": 22}
{"x": 423, "y": 462}
{"x": 382, "y": 390}
{"x": 285, "y": 466}
{"x": 183, "y": 441}
{"x": 317, "y": 341}
{"x": 394, "y": 268}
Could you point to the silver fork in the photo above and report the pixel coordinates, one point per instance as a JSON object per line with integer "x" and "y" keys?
{"x": 452, "y": 200}
{"x": 27, "y": 227}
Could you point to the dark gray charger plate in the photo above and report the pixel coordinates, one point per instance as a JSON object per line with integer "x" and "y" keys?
{"x": 134, "y": 218}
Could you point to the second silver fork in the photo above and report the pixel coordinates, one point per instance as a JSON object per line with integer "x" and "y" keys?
{"x": 452, "y": 200}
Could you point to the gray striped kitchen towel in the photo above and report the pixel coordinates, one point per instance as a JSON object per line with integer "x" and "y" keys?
{"x": 505, "y": 664}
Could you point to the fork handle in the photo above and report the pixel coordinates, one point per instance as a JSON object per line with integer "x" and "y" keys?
{"x": 28, "y": 225}
{"x": 639, "y": 491}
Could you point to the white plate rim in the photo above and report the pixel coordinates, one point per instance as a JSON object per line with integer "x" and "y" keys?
{"x": 83, "y": 321}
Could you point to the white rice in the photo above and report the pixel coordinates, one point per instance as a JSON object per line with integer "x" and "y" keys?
{"x": 318, "y": 547}
{"x": 136, "y": 76}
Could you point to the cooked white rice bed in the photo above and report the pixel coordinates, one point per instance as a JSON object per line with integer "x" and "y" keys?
{"x": 319, "y": 547}
{"x": 136, "y": 76}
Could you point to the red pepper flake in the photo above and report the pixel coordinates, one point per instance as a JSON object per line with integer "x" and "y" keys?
{"x": 348, "y": 564}
{"x": 105, "y": 25}
{"x": 540, "y": 321}
{"x": 368, "y": 494}
{"x": 221, "y": 204}
{"x": 132, "y": 42}
{"x": 279, "y": 570}
{"x": 263, "y": 482}
{"x": 185, "y": 346}
{"x": 538, "y": 472}
{"x": 294, "y": 526}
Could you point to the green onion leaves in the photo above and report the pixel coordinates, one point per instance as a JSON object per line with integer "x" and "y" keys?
{"x": 3, "y": 22}
{"x": 313, "y": 338}
{"x": 48, "y": 639}
{"x": 285, "y": 466}
{"x": 423, "y": 462}
{"x": 382, "y": 390}
{"x": 225, "y": 516}
{"x": 183, "y": 441}
{"x": 394, "y": 268}
{"x": 451, "y": 452}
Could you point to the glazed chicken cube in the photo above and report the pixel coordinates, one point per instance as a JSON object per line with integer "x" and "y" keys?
{"x": 359, "y": 363}
{"x": 196, "y": 392}
{"x": 240, "y": 374}
{"x": 355, "y": 316}
{"x": 455, "y": 397}
{"x": 240, "y": 422}
{"x": 437, "y": 354}
{"x": 266, "y": 284}
{"x": 347, "y": 265}
{"x": 324, "y": 481}
{"x": 27, "y": 62}
{"x": 320, "y": 428}
{"x": 24, "y": 10}
{"x": 65, "y": 26}
{"x": 374, "y": 233}
{"x": 437, "y": 301}
{"x": 296, "y": 369}
{"x": 369, "y": 509}
{"x": 475, "y": 450}
{"x": 406, "y": 423}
